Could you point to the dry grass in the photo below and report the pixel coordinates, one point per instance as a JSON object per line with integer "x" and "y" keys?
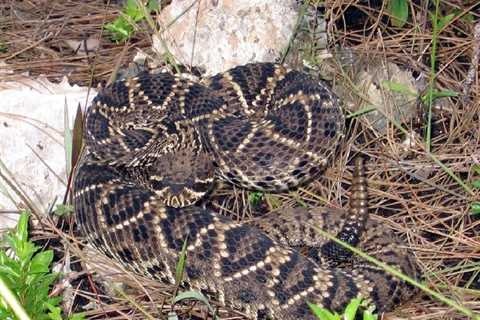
{"x": 36, "y": 35}
{"x": 410, "y": 191}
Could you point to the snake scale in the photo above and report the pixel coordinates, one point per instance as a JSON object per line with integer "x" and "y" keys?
{"x": 155, "y": 145}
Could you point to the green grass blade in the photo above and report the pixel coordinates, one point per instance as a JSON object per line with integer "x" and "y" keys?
{"x": 361, "y": 112}
{"x": 451, "y": 174}
{"x": 398, "y": 87}
{"x": 433, "y": 60}
{"x": 351, "y": 309}
{"x": 180, "y": 268}
{"x": 322, "y": 313}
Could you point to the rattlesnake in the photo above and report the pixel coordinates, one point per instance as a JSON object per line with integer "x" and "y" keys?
{"x": 155, "y": 146}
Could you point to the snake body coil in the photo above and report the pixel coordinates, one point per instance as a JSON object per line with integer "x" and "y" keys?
{"x": 155, "y": 144}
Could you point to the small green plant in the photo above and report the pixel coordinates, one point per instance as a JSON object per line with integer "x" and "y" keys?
{"x": 349, "y": 313}
{"x": 255, "y": 197}
{"x": 186, "y": 295}
{"x": 26, "y": 279}
{"x": 134, "y": 11}
{"x": 398, "y": 10}
{"x": 3, "y": 47}
{"x": 63, "y": 210}
{"x": 475, "y": 206}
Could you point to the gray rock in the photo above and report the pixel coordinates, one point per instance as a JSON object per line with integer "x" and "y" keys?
{"x": 219, "y": 34}
{"x": 382, "y": 87}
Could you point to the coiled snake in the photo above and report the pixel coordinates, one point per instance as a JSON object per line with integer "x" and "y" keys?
{"x": 155, "y": 145}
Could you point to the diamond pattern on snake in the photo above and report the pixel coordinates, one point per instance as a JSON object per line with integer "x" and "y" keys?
{"x": 155, "y": 145}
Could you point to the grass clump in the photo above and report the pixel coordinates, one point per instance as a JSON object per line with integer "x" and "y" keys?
{"x": 351, "y": 312}
{"x": 26, "y": 279}
{"x": 123, "y": 27}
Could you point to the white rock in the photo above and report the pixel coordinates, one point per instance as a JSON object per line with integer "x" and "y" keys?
{"x": 220, "y": 34}
{"x": 32, "y": 116}
{"x": 384, "y": 86}
{"x": 398, "y": 106}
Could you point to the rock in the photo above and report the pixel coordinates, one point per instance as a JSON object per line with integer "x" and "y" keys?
{"x": 219, "y": 34}
{"x": 391, "y": 91}
{"x": 32, "y": 147}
